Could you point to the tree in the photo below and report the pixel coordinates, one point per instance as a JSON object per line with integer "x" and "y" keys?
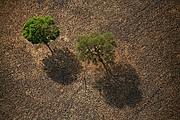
{"x": 96, "y": 48}
{"x": 41, "y": 30}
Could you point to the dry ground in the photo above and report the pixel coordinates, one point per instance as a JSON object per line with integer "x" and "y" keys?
{"x": 148, "y": 61}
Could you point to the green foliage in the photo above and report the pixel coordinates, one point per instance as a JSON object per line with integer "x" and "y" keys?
{"x": 96, "y": 48}
{"x": 40, "y": 30}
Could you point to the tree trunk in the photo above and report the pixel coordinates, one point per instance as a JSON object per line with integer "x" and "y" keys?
{"x": 108, "y": 70}
{"x": 49, "y": 48}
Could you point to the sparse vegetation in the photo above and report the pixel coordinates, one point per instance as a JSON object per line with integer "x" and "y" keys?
{"x": 36, "y": 85}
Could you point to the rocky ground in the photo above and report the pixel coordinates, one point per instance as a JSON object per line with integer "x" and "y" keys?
{"x": 35, "y": 85}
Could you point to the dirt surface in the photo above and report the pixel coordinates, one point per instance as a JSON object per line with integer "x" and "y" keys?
{"x": 36, "y": 85}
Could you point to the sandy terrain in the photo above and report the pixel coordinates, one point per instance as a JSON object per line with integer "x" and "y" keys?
{"x": 35, "y": 85}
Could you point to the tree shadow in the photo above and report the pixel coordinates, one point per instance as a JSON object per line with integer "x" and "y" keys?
{"x": 122, "y": 89}
{"x": 62, "y": 67}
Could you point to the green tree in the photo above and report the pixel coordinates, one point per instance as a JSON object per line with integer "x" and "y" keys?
{"x": 41, "y": 30}
{"x": 96, "y": 48}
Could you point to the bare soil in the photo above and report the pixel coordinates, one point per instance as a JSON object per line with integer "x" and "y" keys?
{"x": 36, "y": 85}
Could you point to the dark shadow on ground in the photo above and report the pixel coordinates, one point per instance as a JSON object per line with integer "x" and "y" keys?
{"x": 62, "y": 67}
{"x": 122, "y": 89}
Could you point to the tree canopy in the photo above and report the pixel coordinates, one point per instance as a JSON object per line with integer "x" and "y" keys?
{"x": 96, "y": 48}
{"x": 41, "y": 30}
